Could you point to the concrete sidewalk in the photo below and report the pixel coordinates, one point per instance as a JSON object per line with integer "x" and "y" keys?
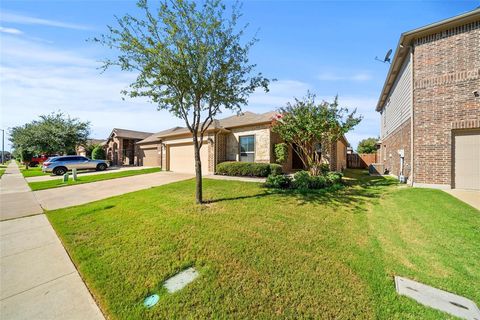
{"x": 86, "y": 173}
{"x": 16, "y": 198}
{"x": 57, "y": 198}
{"x": 37, "y": 278}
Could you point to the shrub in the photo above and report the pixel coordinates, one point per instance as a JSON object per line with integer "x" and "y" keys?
{"x": 324, "y": 168}
{"x": 248, "y": 169}
{"x": 278, "y": 181}
{"x": 334, "y": 178}
{"x": 317, "y": 182}
{"x": 301, "y": 180}
{"x": 98, "y": 153}
{"x": 276, "y": 169}
{"x": 281, "y": 153}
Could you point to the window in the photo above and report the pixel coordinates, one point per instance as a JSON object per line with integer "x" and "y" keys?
{"x": 247, "y": 148}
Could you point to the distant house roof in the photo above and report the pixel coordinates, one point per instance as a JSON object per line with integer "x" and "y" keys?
{"x": 406, "y": 38}
{"x": 155, "y": 137}
{"x": 130, "y": 134}
{"x": 243, "y": 119}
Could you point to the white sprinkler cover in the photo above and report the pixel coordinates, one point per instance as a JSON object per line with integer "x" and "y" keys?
{"x": 180, "y": 280}
{"x": 438, "y": 299}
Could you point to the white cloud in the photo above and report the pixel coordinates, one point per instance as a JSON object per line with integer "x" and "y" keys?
{"x": 331, "y": 76}
{"x": 38, "y": 79}
{"x": 10, "y": 30}
{"x": 29, "y": 20}
{"x": 281, "y": 92}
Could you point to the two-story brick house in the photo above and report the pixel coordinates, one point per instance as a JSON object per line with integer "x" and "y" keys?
{"x": 430, "y": 105}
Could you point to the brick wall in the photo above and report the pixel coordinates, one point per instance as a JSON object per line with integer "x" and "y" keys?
{"x": 446, "y": 72}
{"x": 388, "y": 152}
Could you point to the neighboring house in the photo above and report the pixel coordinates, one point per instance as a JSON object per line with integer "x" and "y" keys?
{"x": 246, "y": 137}
{"x": 81, "y": 149}
{"x": 120, "y": 146}
{"x": 430, "y": 105}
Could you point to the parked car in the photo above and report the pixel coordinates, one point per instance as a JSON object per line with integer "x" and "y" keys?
{"x": 60, "y": 165}
{"x": 39, "y": 159}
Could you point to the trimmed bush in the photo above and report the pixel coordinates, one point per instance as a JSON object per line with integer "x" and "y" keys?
{"x": 317, "y": 182}
{"x": 301, "y": 180}
{"x": 98, "y": 153}
{"x": 278, "y": 181}
{"x": 324, "y": 168}
{"x": 334, "y": 178}
{"x": 276, "y": 169}
{"x": 248, "y": 169}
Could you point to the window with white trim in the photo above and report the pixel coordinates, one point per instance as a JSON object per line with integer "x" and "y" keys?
{"x": 247, "y": 148}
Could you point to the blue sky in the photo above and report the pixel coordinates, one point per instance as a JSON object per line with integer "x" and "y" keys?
{"x": 327, "y": 47}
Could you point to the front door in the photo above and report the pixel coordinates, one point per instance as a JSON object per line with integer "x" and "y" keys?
{"x": 297, "y": 163}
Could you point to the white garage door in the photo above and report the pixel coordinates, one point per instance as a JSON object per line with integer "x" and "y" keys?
{"x": 151, "y": 157}
{"x": 182, "y": 158}
{"x": 467, "y": 160}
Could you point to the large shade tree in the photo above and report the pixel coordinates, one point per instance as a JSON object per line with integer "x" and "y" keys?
{"x": 190, "y": 59}
{"x": 368, "y": 145}
{"x": 54, "y": 133}
{"x": 310, "y": 128}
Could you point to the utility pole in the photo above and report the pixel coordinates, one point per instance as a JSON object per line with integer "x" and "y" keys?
{"x": 3, "y": 146}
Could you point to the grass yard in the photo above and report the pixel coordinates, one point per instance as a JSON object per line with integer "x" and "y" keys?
{"x": 41, "y": 185}
{"x": 32, "y": 171}
{"x": 267, "y": 254}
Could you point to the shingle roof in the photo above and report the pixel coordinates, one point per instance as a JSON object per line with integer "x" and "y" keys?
{"x": 155, "y": 137}
{"x": 124, "y": 133}
{"x": 243, "y": 119}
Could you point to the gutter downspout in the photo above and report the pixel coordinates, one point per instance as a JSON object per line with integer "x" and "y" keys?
{"x": 412, "y": 109}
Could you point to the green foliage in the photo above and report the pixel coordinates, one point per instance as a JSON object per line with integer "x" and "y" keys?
{"x": 324, "y": 168}
{"x": 301, "y": 180}
{"x": 304, "y": 180}
{"x": 98, "y": 153}
{"x": 281, "y": 153}
{"x": 51, "y": 134}
{"x": 310, "y": 127}
{"x": 368, "y": 145}
{"x": 248, "y": 169}
{"x": 318, "y": 182}
{"x": 25, "y": 155}
{"x": 334, "y": 178}
{"x": 278, "y": 181}
{"x": 275, "y": 169}
{"x": 190, "y": 59}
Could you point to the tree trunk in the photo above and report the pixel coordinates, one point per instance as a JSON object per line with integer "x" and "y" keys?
{"x": 198, "y": 171}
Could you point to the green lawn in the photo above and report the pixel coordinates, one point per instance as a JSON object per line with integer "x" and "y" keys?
{"x": 32, "y": 171}
{"x": 266, "y": 254}
{"x": 41, "y": 185}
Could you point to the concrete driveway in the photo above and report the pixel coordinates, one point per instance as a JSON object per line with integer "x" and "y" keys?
{"x": 57, "y": 198}
{"x": 86, "y": 173}
{"x": 470, "y": 197}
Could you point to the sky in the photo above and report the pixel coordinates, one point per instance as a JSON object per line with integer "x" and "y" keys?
{"x": 325, "y": 47}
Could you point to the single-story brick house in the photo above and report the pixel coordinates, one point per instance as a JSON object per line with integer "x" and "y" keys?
{"x": 244, "y": 137}
{"x": 430, "y": 105}
{"x": 120, "y": 147}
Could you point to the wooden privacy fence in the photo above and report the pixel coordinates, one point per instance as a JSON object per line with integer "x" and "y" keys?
{"x": 360, "y": 160}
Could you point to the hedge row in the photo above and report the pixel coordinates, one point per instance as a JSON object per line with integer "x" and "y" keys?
{"x": 248, "y": 169}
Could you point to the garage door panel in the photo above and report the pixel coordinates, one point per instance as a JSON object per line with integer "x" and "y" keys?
{"x": 467, "y": 160}
{"x": 182, "y": 158}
